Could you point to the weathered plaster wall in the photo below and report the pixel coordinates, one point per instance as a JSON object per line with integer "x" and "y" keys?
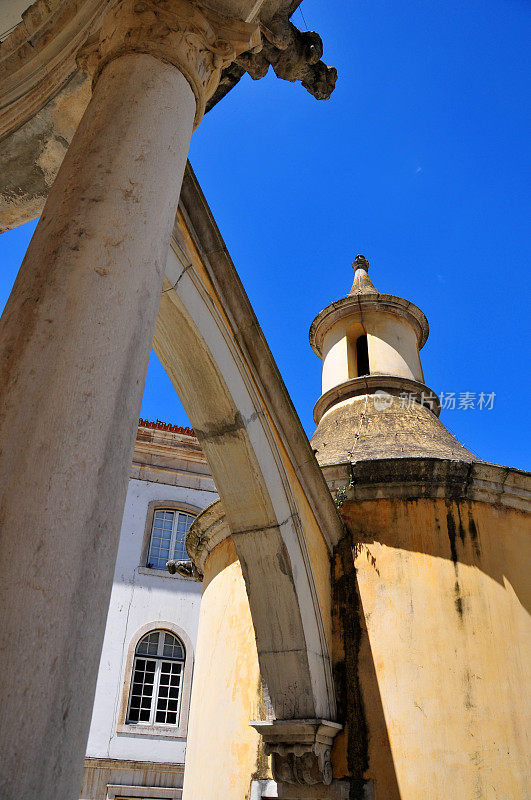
{"x": 224, "y": 752}
{"x": 140, "y": 597}
{"x": 393, "y": 346}
{"x": 432, "y": 649}
{"x": 31, "y": 156}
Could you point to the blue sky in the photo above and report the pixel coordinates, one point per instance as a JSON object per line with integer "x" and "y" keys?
{"x": 420, "y": 160}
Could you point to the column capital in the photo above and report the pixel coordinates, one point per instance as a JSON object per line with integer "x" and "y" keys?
{"x": 199, "y": 41}
{"x": 301, "y": 748}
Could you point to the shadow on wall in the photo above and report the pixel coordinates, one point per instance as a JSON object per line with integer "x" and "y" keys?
{"x": 431, "y": 602}
{"x": 494, "y": 539}
{"x": 352, "y": 656}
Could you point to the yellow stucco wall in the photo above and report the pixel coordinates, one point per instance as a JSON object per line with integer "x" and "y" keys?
{"x": 224, "y": 752}
{"x": 432, "y": 649}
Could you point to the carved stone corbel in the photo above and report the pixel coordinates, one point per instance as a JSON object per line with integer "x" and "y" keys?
{"x": 200, "y": 42}
{"x": 294, "y": 55}
{"x": 300, "y": 748}
{"x": 185, "y": 568}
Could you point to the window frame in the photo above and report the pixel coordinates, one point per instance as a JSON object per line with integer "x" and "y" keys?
{"x": 159, "y": 660}
{"x": 161, "y": 505}
{"x": 178, "y": 731}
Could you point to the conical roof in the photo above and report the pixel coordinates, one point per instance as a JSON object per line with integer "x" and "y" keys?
{"x": 382, "y": 426}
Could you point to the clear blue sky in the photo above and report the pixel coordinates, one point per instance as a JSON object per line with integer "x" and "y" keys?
{"x": 420, "y": 160}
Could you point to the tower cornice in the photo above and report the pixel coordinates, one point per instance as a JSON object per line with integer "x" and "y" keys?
{"x": 388, "y": 385}
{"x": 356, "y": 305}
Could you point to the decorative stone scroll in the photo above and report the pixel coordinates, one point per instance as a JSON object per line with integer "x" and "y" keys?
{"x": 200, "y": 42}
{"x": 300, "y": 748}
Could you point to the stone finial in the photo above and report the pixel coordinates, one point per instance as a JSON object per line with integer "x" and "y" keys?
{"x": 360, "y": 262}
{"x": 362, "y": 283}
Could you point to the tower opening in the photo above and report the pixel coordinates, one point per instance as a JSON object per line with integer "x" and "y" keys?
{"x": 362, "y": 355}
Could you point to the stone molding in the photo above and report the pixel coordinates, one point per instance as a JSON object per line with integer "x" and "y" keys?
{"x": 94, "y": 762}
{"x": 168, "y": 457}
{"x": 116, "y": 791}
{"x": 300, "y": 748}
{"x": 417, "y": 478}
{"x": 356, "y": 305}
{"x": 198, "y": 41}
{"x": 372, "y": 384}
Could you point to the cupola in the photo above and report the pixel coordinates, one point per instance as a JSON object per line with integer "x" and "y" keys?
{"x": 373, "y": 385}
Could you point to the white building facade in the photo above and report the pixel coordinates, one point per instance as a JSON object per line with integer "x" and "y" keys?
{"x": 137, "y": 741}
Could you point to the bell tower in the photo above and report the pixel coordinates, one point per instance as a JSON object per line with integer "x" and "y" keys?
{"x": 374, "y": 401}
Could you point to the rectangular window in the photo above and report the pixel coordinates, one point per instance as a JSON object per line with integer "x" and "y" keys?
{"x": 168, "y": 534}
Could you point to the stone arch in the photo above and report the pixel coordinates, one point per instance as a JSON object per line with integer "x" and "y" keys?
{"x": 282, "y": 539}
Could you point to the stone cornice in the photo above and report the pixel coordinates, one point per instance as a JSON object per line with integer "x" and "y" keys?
{"x": 168, "y": 457}
{"x": 200, "y": 42}
{"x": 371, "y": 384}
{"x": 120, "y": 763}
{"x": 417, "y": 478}
{"x": 355, "y": 306}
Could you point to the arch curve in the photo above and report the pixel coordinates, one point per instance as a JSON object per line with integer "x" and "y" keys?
{"x": 282, "y": 538}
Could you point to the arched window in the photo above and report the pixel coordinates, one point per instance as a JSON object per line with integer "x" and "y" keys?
{"x": 362, "y": 355}
{"x": 168, "y": 534}
{"x": 157, "y": 677}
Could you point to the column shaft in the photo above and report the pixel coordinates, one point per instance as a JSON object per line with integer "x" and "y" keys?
{"x": 75, "y": 339}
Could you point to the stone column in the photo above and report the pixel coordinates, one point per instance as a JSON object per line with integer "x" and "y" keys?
{"x": 75, "y": 339}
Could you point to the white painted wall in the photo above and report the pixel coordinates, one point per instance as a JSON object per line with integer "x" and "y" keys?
{"x": 138, "y": 599}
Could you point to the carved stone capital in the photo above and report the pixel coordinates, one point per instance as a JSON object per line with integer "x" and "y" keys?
{"x": 300, "y": 748}
{"x": 200, "y": 42}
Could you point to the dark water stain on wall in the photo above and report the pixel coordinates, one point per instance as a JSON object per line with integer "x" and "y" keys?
{"x": 452, "y": 536}
{"x": 350, "y": 702}
{"x": 473, "y": 532}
